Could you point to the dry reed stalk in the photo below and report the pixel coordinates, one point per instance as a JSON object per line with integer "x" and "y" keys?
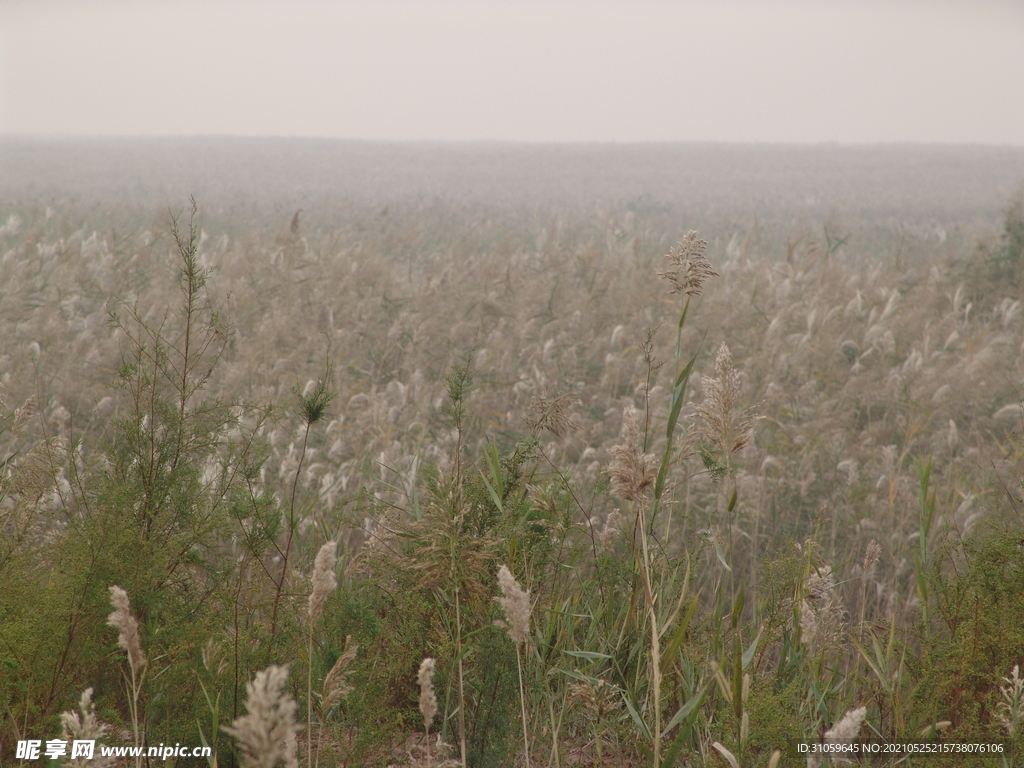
{"x": 324, "y": 582}
{"x": 336, "y": 687}
{"x": 516, "y": 603}
{"x": 632, "y": 474}
{"x": 128, "y": 638}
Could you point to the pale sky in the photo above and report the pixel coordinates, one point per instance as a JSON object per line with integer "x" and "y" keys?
{"x": 848, "y": 71}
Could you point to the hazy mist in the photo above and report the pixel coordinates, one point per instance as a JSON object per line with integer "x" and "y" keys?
{"x": 396, "y": 70}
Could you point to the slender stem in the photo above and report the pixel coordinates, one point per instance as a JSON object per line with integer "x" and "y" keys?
{"x": 522, "y": 702}
{"x": 309, "y": 698}
{"x": 655, "y": 647}
{"x": 462, "y": 695}
{"x": 136, "y": 685}
{"x": 291, "y": 533}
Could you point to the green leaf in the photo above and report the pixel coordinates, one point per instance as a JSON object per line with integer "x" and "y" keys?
{"x": 721, "y": 557}
{"x": 493, "y": 494}
{"x": 684, "y": 711}
{"x": 588, "y": 655}
{"x": 751, "y": 649}
{"x": 672, "y": 648}
{"x": 636, "y": 717}
{"x": 678, "y": 391}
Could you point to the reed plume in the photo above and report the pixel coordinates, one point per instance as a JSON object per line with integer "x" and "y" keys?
{"x": 727, "y": 427}
{"x": 23, "y": 414}
{"x": 336, "y": 685}
{"x": 843, "y": 732}
{"x": 267, "y": 735}
{"x": 1010, "y": 711}
{"x": 631, "y": 470}
{"x": 128, "y": 638}
{"x": 428, "y": 700}
{"x": 516, "y": 603}
{"x": 84, "y": 727}
{"x": 552, "y": 414}
{"x": 324, "y": 582}
{"x": 688, "y": 267}
{"x": 128, "y": 629}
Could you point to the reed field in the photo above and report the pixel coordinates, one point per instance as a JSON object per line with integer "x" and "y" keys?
{"x": 500, "y": 456}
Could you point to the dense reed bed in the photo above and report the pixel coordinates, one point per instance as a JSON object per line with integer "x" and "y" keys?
{"x": 718, "y": 497}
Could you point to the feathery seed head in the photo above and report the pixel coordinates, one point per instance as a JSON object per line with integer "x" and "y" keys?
{"x": 847, "y": 728}
{"x": 821, "y": 613}
{"x": 1010, "y": 711}
{"x": 85, "y": 727}
{"x": 428, "y": 701}
{"x": 335, "y": 684}
{"x": 820, "y": 584}
{"x": 516, "y": 603}
{"x": 726, "y": 426}
{"x": 214, "y": 659}
{"x": 689, "y": 268}
{"x": 610, "y": 530}
{"x": 23, "y": 414}
{"x": 324, "y": 580}
{"x": 552, "y": 414}
{"x": 267, "y": 735}
{"x": 631, "y": 470}
{"x": 871, "y": 554}
{"x": 127, "y": 627}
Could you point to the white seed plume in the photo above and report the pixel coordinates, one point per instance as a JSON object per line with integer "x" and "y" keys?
{"x": 631, "y": 470}
{"x": 127, "y": 627}
{"x": 727, "y": 427}
{"x": 688, "y": 266}
{"x": 516, "y": 603}
{"x": 1010, "y": 711}
{"x": 847, "y": 728}
{"x": 610, "y": 530}
{"x": 85, "y": 728}
{"x": 324, "y": 580}
{"x": 336, "y": 686}
{"x": 267, "y": 735}
{"x": 428, "y": 701}
{"x": 845, "y": 731}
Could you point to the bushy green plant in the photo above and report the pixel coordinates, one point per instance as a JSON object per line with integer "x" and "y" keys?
{"x": 975, "y": 637}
